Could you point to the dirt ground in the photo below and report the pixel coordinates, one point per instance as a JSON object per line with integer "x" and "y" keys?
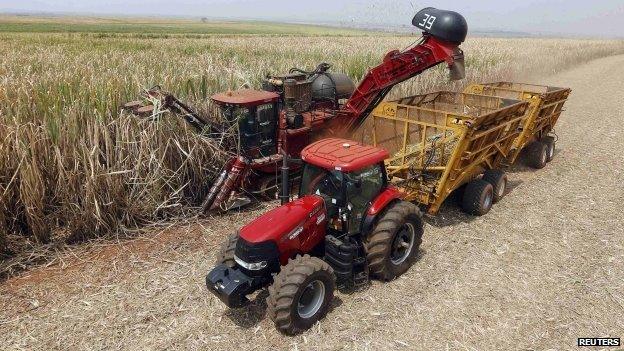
{"x": 544, "y": 267}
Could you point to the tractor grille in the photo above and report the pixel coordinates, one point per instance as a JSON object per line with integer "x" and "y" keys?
{"x": 256, "y": 252}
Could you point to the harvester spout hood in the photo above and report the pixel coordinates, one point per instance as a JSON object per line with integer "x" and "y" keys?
{"x": 457, "y": 69}
{"x": 445, "y": 25}
{"x": 449, "y": 27}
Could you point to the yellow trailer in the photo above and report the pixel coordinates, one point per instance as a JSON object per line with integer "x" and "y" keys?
{"x": 546, "y": 105}
{"x": 443, "y": 140}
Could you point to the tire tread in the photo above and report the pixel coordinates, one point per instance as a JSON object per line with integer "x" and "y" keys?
{"x": 534, "y": 154}
{"x": 285, "y": 286}
{"x": 379, "y": 242}
{"x": 226, "y": 252}
{"x": 471, "y": 203}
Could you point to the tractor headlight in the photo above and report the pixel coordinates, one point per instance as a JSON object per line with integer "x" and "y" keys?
{"x": 254, "y": 266}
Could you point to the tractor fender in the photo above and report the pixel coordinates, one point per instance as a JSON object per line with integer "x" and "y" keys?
{"x": 381, "y": 202}
{"x": 383, "y": 199}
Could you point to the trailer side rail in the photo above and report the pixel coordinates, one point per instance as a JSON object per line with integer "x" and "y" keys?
{"x": 441, "y": 140}
{"x": 546, "y": 105}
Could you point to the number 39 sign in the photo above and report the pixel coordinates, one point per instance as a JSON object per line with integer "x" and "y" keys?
{"x": 427, "y": 21}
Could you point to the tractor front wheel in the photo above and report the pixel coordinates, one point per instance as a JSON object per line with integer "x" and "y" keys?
{"x": 301, "y": 294}
{"x": 226, "y": 252}
{"x": 393, "y": 245}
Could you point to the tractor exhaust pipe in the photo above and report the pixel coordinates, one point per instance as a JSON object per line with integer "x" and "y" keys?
{"x": 285, "y": 193}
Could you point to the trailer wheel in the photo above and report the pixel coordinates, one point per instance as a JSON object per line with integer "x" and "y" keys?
{"x": 550, "y": 147}
{"x": 478, "y": 197}
{"x": 301, "y": 294}
{"x": 498, "y": 179}
{"x": 392, "y": 246}
{"x": 537, "y": 155}
{"x": 226, "y": 252}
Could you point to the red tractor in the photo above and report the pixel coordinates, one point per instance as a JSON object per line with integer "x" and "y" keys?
{"x": 297, "y": 108}
{"x": 346, "y": 224}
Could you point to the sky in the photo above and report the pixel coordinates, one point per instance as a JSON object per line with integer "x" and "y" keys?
{"x": 595, "y": 18}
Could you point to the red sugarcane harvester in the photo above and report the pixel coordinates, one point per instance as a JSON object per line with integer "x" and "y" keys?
{"x": 347, "y": 223}
{"x": 297, "y": 108}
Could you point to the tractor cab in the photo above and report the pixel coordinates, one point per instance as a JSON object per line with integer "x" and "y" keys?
{"x": 255, "y": 114}
{"x": 348, "y": 176}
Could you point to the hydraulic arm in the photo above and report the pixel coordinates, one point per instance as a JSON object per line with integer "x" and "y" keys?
{"x": 397, "y": 67}
{"x": 167, "y": 101}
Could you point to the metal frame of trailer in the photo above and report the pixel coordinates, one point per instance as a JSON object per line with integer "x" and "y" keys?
{"x": 440, "y": 141}
{"x": 546, "y": 105}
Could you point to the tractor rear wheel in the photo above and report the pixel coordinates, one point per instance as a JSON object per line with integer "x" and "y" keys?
{"x": 478, "y": 197}
{"x": 498, "y": 179}
{"x": 301, "y": 294}
{"x": 537, "y": 154}
{"x": 550, "y": 147}
{"x": 226, "y": 252}
{"x": 393, "y": 245}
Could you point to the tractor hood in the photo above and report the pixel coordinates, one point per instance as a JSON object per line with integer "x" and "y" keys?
{"x": 281, "y": 221}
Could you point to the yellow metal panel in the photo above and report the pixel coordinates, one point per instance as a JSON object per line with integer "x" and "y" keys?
{"x": 546, "y": 104}
{"x": 460, "y": 136}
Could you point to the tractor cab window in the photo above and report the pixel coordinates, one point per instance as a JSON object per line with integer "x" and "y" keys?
{"x": 361, "y": 189}
{"x": 325, "y": 183}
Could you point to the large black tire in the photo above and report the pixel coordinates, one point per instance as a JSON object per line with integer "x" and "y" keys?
{"x": 399, "y": 227}
{"x": 478, "y": 197}
{"x": 537, "y": 155}
{"x": 498, "y": 179}
{"x": 293, "y": 303}
{"x": 226, "y": 252}
{"x": 549, "y": 141}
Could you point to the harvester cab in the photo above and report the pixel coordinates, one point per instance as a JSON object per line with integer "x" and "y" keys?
{"x": 345, "y": 225}
{"x": 254, "y": 113}
{"x": 279, "y": 120}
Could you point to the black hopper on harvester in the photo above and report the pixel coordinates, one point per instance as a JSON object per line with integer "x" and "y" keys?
{"x": 294, "y": 109}
{"x": 348, "y": 222}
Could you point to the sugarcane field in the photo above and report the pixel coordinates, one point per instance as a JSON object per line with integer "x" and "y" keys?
{"x": 268, "y": 175}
